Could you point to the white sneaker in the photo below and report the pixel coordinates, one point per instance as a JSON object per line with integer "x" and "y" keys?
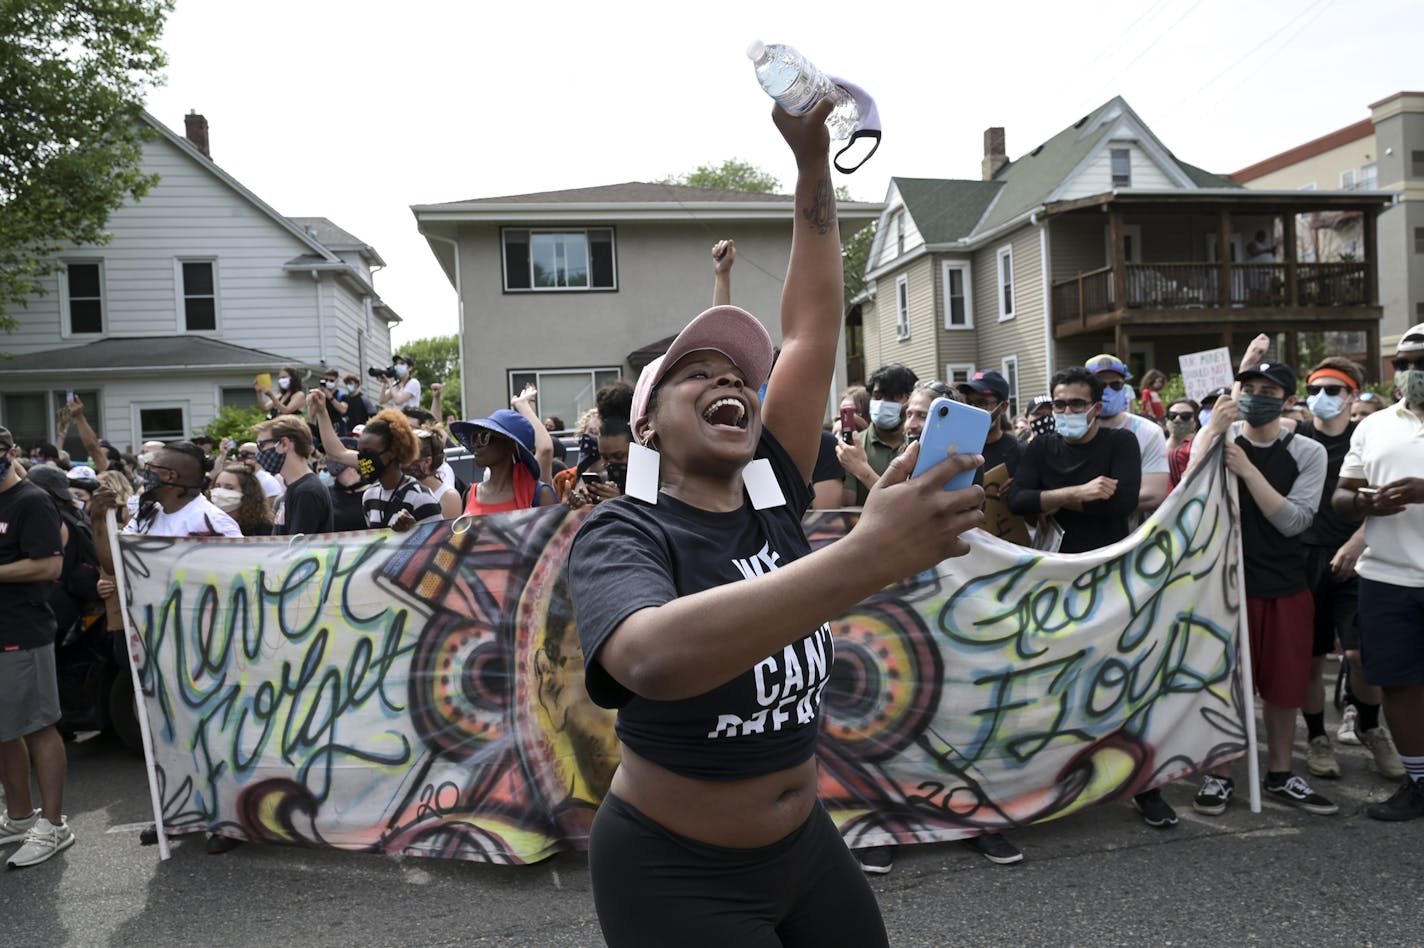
{"x": 13, "y": 830}
{"x": 1346, "y": 733}
{"x": 42, "y": 841}
{"x": 1381, "y": 745}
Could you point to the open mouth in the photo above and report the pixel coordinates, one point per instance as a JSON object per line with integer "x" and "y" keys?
{"x": 726, "y": 413}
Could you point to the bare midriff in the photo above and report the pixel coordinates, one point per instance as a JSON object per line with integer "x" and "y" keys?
{"x": 736, "y": 814}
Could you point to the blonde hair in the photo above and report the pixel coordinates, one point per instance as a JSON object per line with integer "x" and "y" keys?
{"x": 117, "y": 482}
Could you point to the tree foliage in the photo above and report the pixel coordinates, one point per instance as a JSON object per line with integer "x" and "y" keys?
{"x": 731, "y": 175}
{"x": 437, "y": 359}
{"x": 74, "y": 77}
{"x": 235, "y": 423}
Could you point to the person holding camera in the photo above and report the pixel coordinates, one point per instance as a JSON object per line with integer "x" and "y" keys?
{"x": 348, "y": 406}
{"x": 400, "y": 389}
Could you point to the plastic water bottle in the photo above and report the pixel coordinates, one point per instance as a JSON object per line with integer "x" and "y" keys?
{"x": 797, "y": 85}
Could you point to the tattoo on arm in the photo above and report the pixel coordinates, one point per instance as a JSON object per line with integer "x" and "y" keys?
{"x": 822, "y": 213}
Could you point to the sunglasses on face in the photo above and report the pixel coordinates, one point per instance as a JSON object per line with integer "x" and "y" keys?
{"x": 1075, "y": 406}
{"x": 1116, "y": 385}
{"x": 266, "y": 441}
{"x": 249, "y": 455}
{"x": 1401, "y": 364}
{"x": 1331, "y": 390}
{"x": 484, "y": 436}
{"x": 1179, "y": 415}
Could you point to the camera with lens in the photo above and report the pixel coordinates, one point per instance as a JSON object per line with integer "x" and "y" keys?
{"x": 389, "y": 372}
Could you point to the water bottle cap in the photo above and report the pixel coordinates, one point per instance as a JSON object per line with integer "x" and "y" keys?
{"x": 756, "y": 49}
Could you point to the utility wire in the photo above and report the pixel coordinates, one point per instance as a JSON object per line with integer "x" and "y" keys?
{"x": 1107, "y": 86}
{"x": 1316, "y": 6}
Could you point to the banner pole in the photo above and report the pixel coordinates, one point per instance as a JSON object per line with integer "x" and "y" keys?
{"x": 134, "y": 643}
{"x": 1243, "y": 638}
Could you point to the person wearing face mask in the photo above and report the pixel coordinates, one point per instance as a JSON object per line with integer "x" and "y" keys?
{"x": 989, "y": 391}
{"x": 1333, "y": 545}
{"x": 1039, "y": 418}
{"x": 1181, "y": 417}
{"x": 172, "y": 503}
{"x": 868, "y": 457}
{"x": 426, "y": 467}
{"x": 286, "y": 399}
{"x": 403, "y": 391}
{"x": 348, "y": 408}
{"x": 284, "y": 447}
{"x": 237, "y": 493}
{"x": 1282, "y": 477}
{"x": 1151, "y": 444}
{"x": 1382, "y": 481}
{"x": 390, "y": 497}
{"x": 614, "y": 437}
{"x": 1208, "y": 404}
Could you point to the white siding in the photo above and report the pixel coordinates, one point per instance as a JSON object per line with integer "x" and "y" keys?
{"x": 895, "y": 215}
{"x": 1096, "y": 175}
{"x": 1023, "y": 335}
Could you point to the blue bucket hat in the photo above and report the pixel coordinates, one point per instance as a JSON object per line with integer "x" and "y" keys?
{"x": 508, "y": 423}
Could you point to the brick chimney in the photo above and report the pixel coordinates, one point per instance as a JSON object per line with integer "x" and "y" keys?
{"x": 994, "y": 157}
{"x": 195, "y": 128}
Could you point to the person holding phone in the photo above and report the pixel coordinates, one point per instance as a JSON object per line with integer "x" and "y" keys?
{"x": 694, "y": 591}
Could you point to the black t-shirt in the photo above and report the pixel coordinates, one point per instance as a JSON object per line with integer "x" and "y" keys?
{"x": 304, "y": 508}
{"x": 1049, "y": 463}
{"x": 356, "y": 413}
{"x": 828, "y": 467}
{"x": 631, "y": 555}
{"x": 348, "y": 511}
{"x": 1007, "y": 451}
{"x": 1328, "y": 530}
{"x": 29, "y": 530}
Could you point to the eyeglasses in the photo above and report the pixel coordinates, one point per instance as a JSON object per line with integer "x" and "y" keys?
{"x": 483, "y": 436}
{"x": 1180, "y": 415}
{"x": 1401, "y": 364}
{"x": 1074, "y": 405}
{"x": 266, "y": 441}
{"x": 1116, "y": 385}
{"x": 1331, "y": 390}
{"x": 940, "y": 388}
{"x": 249, "y": 455}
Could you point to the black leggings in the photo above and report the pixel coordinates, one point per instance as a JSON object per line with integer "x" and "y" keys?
{"x": 653, "y": 887}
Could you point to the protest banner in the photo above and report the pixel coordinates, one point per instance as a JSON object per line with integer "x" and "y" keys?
{"x": 422, "y": 693}
{"x": 1205, "y": 371}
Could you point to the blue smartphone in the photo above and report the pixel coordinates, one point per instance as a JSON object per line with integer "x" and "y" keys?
{"x": 952, "y": 428}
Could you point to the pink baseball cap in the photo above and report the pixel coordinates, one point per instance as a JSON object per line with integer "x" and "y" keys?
{"x": 730, "y": 330}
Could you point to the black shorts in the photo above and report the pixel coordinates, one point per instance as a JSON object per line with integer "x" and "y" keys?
{"x": 1392, "y": 634}
{"x": 1336, "y": 602}
{"x": 654, "y": 887}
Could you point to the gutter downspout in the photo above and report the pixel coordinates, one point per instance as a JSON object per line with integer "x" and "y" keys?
{"x": 320, "y": 320}
{"x": 459, "y": 319}
{"x": 1044, "y": 266}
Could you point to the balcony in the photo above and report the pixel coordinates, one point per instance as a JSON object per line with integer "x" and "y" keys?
{"x": 1089, "y": 300}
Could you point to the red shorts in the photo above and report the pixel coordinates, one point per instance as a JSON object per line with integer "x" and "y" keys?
{"x": 1282, "y": 632}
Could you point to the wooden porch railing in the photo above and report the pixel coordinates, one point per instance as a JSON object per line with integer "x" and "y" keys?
{"x": 1198, "y": 286}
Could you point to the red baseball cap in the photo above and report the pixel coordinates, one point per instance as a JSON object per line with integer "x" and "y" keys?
{"x": 730, "y": 330}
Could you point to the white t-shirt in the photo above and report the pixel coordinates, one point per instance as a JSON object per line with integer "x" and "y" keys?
{"x": 1151, "y": 443}
{"x": 1386, "y": 446}
{"x": 199, "y": 517}
{"x": 446, "y": 473}
{"x": 412, "y": 388}
{"x": 271, "y": 486}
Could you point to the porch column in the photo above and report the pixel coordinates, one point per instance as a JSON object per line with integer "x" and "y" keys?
{"x": 1292, "y": 347}
{"x": 1223, "y": 258}
{"x": 1372, "y": 265}
{"x": 1118, "y": 260}
{"x": 1121, "y": 342}
{"x": 1373, "y": 360}
{"x": 1288, "y": 234}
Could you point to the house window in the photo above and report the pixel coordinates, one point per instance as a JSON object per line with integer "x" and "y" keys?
{"x": 958, "y": 373}
{"x": 958, "y": 301}
{"x": 1006, "y": 282}
{"x": 237, "y": 396}
{"x": 32, "y": 417}
{"x": 162, "y": 423}
{"x": 1419, "y": 240}
{"x": 1121, "y": 167}
{"x": 1416, "y": 162}
{"x": 1347, "y": 179}
{"x": 902, "y": 308}
{"x": 84, "y": 296}
{"x": 899, "y": 233}
{"x": 557, "y": 260}
{"x": 1010, "y": 371}
{"x": 1369, "y": 177}
{"x": 200, "y": 299}
{"x": 565, "y": 393}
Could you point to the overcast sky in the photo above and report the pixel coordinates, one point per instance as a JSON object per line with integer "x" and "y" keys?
{"x": 356, "y": 110}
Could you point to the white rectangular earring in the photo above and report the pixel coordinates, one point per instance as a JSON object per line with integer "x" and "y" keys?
{"x": 643, "y": 465}
{"x": 762, "y": 487}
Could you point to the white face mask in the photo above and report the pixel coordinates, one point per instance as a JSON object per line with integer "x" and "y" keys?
{"x": 330, "y": 383}
{"x": 401, "y": 370}
{"x": 226, "y": 499}
{"x": 284, "y": 383}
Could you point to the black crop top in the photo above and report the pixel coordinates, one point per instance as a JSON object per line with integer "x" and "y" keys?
{"x": 631, "y": 555}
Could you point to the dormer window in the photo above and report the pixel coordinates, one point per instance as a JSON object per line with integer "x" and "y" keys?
{"x": 1121, "y": 167}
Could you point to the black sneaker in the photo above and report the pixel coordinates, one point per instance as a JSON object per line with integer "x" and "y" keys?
{"x": 1213, "y": 796}
{"x": 877, "y": 859}
{"x": 995, "y": 848}
{"x": 1294, "y": 791}
{"x": 1155, "y": 811}
{"x": 1406, "y": 804}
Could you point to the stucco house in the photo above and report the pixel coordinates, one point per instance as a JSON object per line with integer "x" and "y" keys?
{"x": 573, "y": 289}
{"x": 1099, "y": 239}
{"x": 1384, "y": 152}
{"x": 202, "y": 286}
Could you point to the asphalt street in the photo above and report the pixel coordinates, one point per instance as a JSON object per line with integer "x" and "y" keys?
{"x": 1098, "y": 878}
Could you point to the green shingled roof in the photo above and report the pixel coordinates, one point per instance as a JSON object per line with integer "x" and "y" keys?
{"x": 1204, "y": 179}
{"x": 945, "y": 210}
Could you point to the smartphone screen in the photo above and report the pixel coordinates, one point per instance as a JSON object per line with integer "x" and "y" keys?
{"x": 848, "y": 425}
{"x": 952, "y": 425}
{"x": 591, "y": 477}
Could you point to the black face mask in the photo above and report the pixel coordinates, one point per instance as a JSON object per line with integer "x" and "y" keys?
{"x": 618, "y": 473}
{"x": 369, "y": 465}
